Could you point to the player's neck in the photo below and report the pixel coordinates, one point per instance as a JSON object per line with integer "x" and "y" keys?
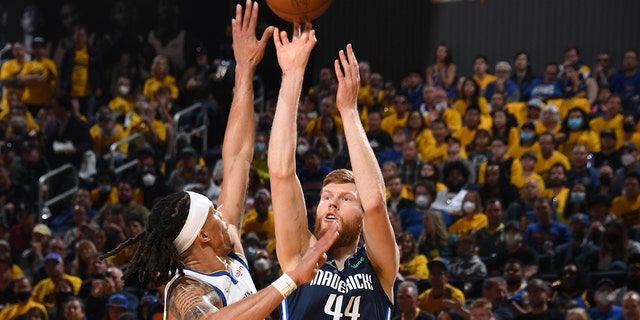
{"x": 207, "y": 266}
{"x": 341, "y": 254}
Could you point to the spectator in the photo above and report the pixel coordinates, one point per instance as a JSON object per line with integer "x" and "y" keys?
{"x": 379, "y": 139}
{"x": 259, "y": 220}
{"x": 455, "y": 175}
{"x": 580, "y": 251}
{"x": 407, "y": 295}
{"x": 480, "y": 75}
{"x": 513, "y": 248}
{"x": 546, "y": 233}
{"x": 83, "y": 83}
{"x": 608, "y": 154}
{"x": 160, "y": 76}
{"x": 522, "y": 74}
{"x": 433, "y": 299}
{"x": 604, "y": 297}
{"x": 631, "y": 306}
{"x": 435, "y": 241}
{"x": 627, "y": 82}
{"x": 467, "y": 266}
{"x": 570, "y": 289}
{"x": 44, "y": 291}
{"x": 488, "y": 237}
{"x": 442, "y": 73}
{"x": 472, "y": 219}
{"x": 413, "y": 266}
{"x": 538, "y": 293}
{"x": 410, "y": 215}
{"x": 632, "y": 282}
{"x": 546, "y": 87}
{"x": 629, "y": 159}
{"x": 616, "y": 247}
{"x": 74, "y": 309}
{"x": 40, "y": 76}
{"x": 503, "y": 83}
{"x": 409, "y": 165}
{"x": 513, "y": 275}
{"x": 627, "y": 206}
{"x": 549, "y": 156}
{"x": 22, "y": 290}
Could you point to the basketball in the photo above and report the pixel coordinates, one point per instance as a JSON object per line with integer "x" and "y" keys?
{"x": 298, "y": 10}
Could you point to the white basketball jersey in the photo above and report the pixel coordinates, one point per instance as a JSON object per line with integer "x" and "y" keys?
{"x": 233, "y": 285}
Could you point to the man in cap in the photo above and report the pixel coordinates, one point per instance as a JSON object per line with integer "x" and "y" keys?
{"x": 116, "y": 306}
{"x": 514, "y": 248}
{"x": 580, "y": 250}
{"x": 40, "y": 76}
{"x": 32, "y": 259}
{"x": 538, "y": 294}
{"x": 608, "y": 153}
{"x": 185, "y": 174}
{"x": 433, "y": 300}
{"x": 605, "y": 307}
{"x": 44, "y": 291}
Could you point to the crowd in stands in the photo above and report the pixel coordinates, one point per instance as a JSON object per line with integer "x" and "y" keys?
{"x": 515, "y": 194}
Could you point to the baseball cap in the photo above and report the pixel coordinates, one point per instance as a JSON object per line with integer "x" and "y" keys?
{"x": 53, "y": 256}
{"x": 189, "y": 150}
{"x": 148, "y": 299}
{"x": 535, "y": 102}
{"x": 581, "y": 217}
{"x": 252, "y": 237}
{"x": 512, "y": 224}
{"x": 629, "y": 145}
{"x": 538, "y": 283}
{"x": 606, "y": 281}
{"x": 439, "y": 262}
{"x": 42, "y": 229}
{"x": 39, "y": 40}
{"x": 118, "y": 300}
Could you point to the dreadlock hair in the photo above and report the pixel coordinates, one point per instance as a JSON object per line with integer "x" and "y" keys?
{"x": 157, "y": 255}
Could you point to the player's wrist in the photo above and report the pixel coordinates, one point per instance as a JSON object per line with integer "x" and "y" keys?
{"x": 285, "y": 285}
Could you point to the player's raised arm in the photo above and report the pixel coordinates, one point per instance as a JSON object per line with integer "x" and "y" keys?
{"x": 292, "y": 234}
{"x": 237, "y": 148}
{"x": 378, "y": 233}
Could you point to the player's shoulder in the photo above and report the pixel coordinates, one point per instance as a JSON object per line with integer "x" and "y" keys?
{"x": 189, "y": 298}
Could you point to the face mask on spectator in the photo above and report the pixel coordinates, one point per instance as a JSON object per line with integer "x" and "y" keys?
{"x": 627, "y": 159}
{"x": 148, "y": 179}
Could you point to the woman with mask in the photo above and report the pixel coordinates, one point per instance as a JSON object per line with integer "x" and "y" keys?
{"x": 576, "y": 200}
{"x": 473, "y": 218}
{"x": 576, "y": 130}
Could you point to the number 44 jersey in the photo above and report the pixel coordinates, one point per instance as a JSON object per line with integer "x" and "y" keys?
{"x": 349, "y": 294}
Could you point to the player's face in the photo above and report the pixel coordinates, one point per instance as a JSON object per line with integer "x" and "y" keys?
{"x": 340, "y": 202}
{"x": 219, "y": 232}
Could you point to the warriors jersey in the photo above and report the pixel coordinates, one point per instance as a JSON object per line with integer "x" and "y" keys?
{"x": 352, "y": 293}
{"x": 232, "y": 285}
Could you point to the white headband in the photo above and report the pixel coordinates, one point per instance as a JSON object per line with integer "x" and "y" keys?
{"x": 198, "y": 212}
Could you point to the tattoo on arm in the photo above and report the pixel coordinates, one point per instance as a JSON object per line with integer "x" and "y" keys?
{"x": 192, "y": 299}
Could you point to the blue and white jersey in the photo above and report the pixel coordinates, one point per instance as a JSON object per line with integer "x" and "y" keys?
{"x": 353, "y": 293}
{"x": 232, "y": 285}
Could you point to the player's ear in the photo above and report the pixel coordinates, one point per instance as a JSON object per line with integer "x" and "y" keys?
{"x": 203, "y": 236}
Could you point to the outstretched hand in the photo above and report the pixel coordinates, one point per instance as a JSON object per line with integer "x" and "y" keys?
{"x": 315, "y": 257}
{"x": 348, "y": 80}
{"x": 294, "y": 54}
{"x": 247, "y": 49}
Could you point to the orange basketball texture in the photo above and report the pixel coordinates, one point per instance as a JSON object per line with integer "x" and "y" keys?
{"x": 298, "y": 10}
